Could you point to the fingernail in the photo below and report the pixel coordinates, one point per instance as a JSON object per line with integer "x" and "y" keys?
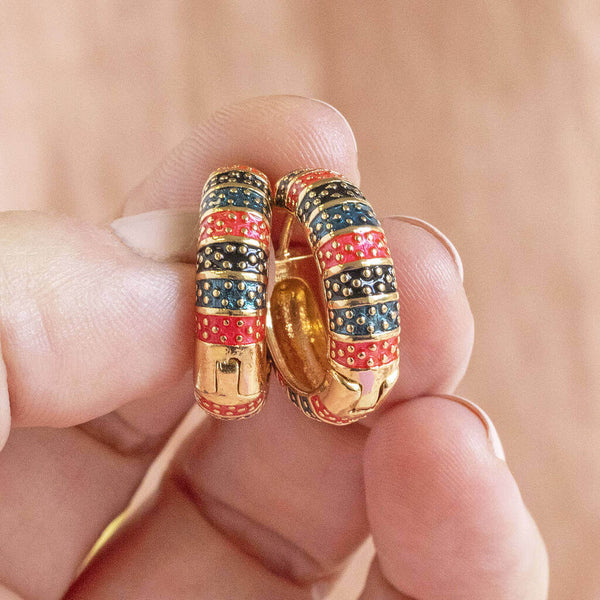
{"x": 492, "y": 433}
{"x": 439, "y": 236}
{"x": 167, "y": 234}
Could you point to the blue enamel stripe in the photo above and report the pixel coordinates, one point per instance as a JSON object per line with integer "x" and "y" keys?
{"x": 366, "y": 320}
{"x": 231, "y": 294}
{"x": 339, "y": 216}
{"x": 238, "y": 197}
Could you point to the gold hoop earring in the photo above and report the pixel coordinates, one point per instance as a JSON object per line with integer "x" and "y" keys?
{"x": 231, "y": 368}
{"x": 335, "y": 348}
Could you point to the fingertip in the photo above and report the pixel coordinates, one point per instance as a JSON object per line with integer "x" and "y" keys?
{"x": 446, "y": 514}
{"x": 275, "y": 134}
{"x": 437, "y": 327}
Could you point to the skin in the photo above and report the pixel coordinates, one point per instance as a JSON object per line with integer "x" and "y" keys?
{"x": 246, "y": 509}
{"x": 481, "y": 117}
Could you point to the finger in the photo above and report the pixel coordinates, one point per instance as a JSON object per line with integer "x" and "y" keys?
{"x": 88, "y": 325}
{"x": 4, "y": 403}
{"x": 446, "y": 515}
{"x": 275, "y": 134}
{"x": 287, "y": 490}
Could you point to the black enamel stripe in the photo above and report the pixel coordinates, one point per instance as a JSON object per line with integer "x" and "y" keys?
{"x": 236, "y": 176}
{"x": 361, "y": 282}
{"x": 324, "y": 192}
{"x": 232, "y": 256}
{"x": 282, "y": 187}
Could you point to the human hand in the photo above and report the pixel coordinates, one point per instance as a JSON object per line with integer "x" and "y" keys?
{"x": 263, "y": 508}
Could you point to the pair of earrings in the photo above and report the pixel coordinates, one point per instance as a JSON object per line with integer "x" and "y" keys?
{"x": 328, "y": 319}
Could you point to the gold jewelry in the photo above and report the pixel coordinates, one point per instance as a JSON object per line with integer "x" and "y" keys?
{"x": 231, "y": 369}
{"x": 335, "y": 348}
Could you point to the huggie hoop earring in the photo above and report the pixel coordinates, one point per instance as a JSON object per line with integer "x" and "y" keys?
{"x": 231, "y": 368}
{"x": 335, "y": 348}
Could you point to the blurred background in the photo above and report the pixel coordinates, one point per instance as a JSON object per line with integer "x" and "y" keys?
{"x": 483, "y": 117}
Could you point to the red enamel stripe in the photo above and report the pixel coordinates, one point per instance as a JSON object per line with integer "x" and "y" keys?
{"x": 350, "y": 247}
{"x": 357, "y": 355}
{"x": 302, "y": 182}
{"x": 325, "y": 414}
{"x": 235, "y": 223}
{"x": 230, "y": 330}
{"x": 226, "y": 411}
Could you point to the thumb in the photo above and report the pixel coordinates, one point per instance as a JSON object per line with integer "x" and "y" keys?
{"x": 86, "y": 325}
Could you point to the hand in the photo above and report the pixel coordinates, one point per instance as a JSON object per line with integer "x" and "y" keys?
{"x": 98, "y": 343}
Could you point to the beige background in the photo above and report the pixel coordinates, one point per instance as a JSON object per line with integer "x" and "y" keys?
{"x": 482, "y": 117}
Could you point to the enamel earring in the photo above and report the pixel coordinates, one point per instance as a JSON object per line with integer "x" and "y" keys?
{"x": 231, "y": 367}
{"x": 333, "y": 321}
